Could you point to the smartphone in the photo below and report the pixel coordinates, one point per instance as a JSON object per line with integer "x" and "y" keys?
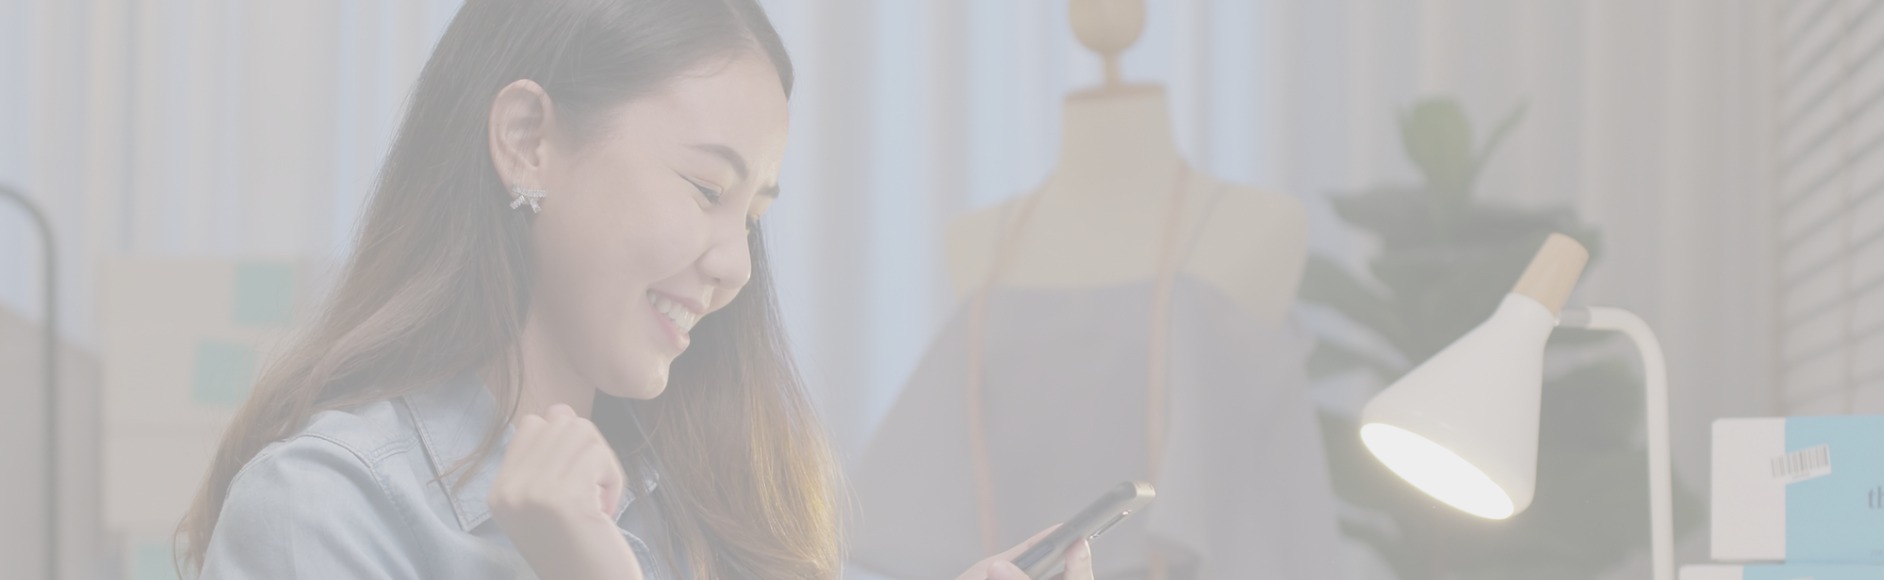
{"x": 1088, "y": 524}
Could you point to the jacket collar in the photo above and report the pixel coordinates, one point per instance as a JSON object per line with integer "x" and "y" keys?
{"x": 451, "y": 420}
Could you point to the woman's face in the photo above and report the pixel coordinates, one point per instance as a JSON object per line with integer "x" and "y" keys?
{"x": 644, "y": 228}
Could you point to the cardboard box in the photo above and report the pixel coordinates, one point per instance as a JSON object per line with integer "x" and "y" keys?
{"x": 1799, "y": 490}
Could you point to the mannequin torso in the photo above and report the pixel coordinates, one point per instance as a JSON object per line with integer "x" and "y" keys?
{"x": 1098, "y": 220}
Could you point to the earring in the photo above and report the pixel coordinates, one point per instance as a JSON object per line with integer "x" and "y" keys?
{"x": 534, "y": 197}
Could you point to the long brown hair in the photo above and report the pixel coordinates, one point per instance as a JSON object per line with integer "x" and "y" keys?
{"x": 439, "y": 283}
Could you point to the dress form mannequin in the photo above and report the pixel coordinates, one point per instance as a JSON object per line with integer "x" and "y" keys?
{"x": 1097, "y": 219}
{"x": 1128, "y": 321}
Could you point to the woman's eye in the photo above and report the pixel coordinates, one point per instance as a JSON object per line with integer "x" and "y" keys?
{"x": 712, "y": 195}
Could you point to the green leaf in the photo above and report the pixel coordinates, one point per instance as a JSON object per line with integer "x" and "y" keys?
{"x": 1498, "y": 135}
{"x": 1332, "y": 358}
{"x": 1325, "y": 282}
{"x": 1393, "y": 213}
{"x": 1438, "y": 138}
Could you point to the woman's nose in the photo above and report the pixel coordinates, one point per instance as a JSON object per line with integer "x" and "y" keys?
{"x": 727, "y": 263}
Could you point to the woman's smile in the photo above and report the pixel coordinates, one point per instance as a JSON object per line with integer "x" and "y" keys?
{"x": 676, "y": 316}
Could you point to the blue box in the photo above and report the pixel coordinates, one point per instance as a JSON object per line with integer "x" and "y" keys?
{"x": 1799, "y": 490}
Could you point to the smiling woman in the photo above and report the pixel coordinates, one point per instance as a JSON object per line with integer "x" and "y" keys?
{"x": 562, "y": 248}
{"x": 481, "y": 364}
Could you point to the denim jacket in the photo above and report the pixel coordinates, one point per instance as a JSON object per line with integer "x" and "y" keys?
{"x": 357, "y": 494}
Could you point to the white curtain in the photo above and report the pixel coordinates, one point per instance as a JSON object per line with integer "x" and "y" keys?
{"x": 232, "y": 128}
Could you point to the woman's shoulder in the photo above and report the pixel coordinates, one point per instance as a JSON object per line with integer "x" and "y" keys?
{"x": 323, "y": 502}
{"x": 353, "y": 441}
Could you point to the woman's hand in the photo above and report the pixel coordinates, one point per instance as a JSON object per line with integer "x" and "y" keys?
{"x": 1001, "y": 567}
{"x": 555, "y": 496}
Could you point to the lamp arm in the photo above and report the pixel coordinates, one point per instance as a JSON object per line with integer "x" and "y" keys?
{"x": 1661, "y": 481}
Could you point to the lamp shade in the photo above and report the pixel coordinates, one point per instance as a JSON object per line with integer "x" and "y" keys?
{"x": 1462, "y": 427}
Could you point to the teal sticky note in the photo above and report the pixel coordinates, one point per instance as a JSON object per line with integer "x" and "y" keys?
{"x": 264, "y": 294}
{"x": 224, "y": 371}
{"x": 151, "y": 560}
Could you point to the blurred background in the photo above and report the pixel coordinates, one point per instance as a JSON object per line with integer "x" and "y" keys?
{"x": 202, "y": 164}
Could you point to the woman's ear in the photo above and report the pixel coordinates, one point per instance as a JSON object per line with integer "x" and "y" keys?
{"x": 522, "y": 116}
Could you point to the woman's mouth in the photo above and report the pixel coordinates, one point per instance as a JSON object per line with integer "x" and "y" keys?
{"x": 676, "y": 318}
